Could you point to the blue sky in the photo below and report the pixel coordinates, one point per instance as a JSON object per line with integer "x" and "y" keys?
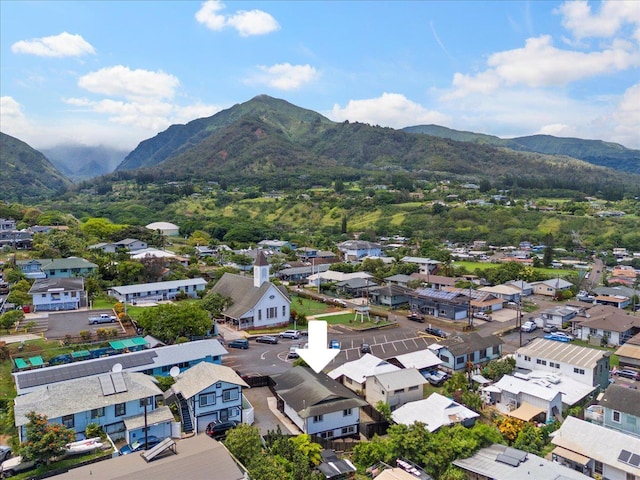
{"x": 118, "y": 72}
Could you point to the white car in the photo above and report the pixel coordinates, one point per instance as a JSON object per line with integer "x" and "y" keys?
{"x": 528, "y": 326}
{"x": 292, "y": 334}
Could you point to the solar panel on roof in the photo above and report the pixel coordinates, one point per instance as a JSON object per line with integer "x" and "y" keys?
{"x": 106, "y": 385}
{"x": 514, "y": 462}
{"x": 118, "y": 382}
{"x": 515, "y": 453}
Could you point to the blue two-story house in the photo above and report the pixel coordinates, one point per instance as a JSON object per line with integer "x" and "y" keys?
{"x": 208, "y": 392}
{"x": 115, "y": 401}
{"x": 459, "y": 350}
{"x": 69, "y": 267}
{"x": 621, "y": 409}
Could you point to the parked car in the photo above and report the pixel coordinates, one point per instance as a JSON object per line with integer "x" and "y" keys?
{"x": 291, "y": 334}
{"x": 219, "y": 428}
{"x": 436, "y": 332}
{"x": 293, "y": 351}
{"x": 102, "y": 318}
{"x": 365, "y": 348}
{"x": 140, "y": 445}
{"x": 550, "y": 329}
{"x": 416, "y": 317}
{"x": 560, "y": 337}
{"x": 436, "y": 377}
{"x": 628, "y": 373}
{"x": 267, "y": 339}
{"x": 5, "y": 453}
{"x": 528, "y": 326}
{"x": 238, "y": 343}
{"x": 15, "y": 465}
{"x": 334, "y": 344}
{"x": 483, "y": 316}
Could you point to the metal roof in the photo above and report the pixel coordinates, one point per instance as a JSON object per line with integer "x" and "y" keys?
{"x": 563, "y": 352}
{"x": 158, "y": 286}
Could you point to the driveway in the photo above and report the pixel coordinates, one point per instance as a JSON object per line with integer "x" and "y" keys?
{"x": 267, "y": 416}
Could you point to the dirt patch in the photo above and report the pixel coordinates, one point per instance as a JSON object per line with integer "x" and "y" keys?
{"x": 4, "y": 439}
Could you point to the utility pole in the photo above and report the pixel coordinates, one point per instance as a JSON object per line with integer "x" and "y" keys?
{"x": 519, "y": 317}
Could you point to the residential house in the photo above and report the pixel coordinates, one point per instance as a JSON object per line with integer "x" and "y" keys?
{"x": 609, "y": 324}
{"x": 525, "y": 288}
{"x": 500, "y": 462}
{"x": 353, "y": 250}
{"x": 355, "y": 287}
{"x": 423, "y": 360}
{"x": 557, "y": 316}
{"x": 461, "y": 350}
{"x": 157, "y": 362}
{"x": 276, "y": 245}
{"x": 395, "y": 388}
{"x": 583, "y": 364}
{"x": 437, "y": 282}
{"x": 207, "y": 392}
{"x": 68, "y": 267}
{"x": 317, "y": 404}
{"x": 199, "y": 457}
{"x": 121, "y": 403}
{"x": 621, "y": 409}
{"x": 618, "y": 301}
{"x": 255, "y": 302}
{"x": 618, "y": 290}
{"x": 300, "y": 274}
{"x": 525, "y": 400}
{"x": 155, "y": 253}
{"x": 440, "y": 303}
{"x": 353, "y": 375}
{"x": 434, "y": 412}
{"x": 551, "y": 288}
{"x": 629, "y": 353}
{"x": 393, "y": 296}
{"x": 18, "y": 239}
{"x": 399, "y": 279}
{"x": 426, "y": 266}
{"x": 7, "y": 224}
{"x": 130, "y": 244}
{"x": 32, "y": 269}
{"x": 507, "y": 293}
{"x": 595, "y": 450}
{"x": 158, "y": 291}
{"x": 53, "y": 294}
{"x": 332, "y": 276}
{"x": 481, "y": 300}
{"x": 335, "y": 468}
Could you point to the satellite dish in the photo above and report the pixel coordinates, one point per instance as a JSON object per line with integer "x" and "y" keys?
{"x": 174, "y": 372}
{"x": 117, "y": 367}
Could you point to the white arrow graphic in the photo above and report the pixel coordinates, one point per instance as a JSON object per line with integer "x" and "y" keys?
{"x": 317, "y": 355}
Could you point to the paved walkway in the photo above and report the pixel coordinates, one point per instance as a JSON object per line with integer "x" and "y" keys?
{"x": 20, "y": 338}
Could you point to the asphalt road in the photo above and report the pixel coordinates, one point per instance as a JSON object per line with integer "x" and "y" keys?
{"x": 72, "y": 323}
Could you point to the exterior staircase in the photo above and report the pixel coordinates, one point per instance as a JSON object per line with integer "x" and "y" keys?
{"x": 185, "y": 414}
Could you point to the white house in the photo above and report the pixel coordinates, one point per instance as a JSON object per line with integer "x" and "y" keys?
{"x": 525, "y": 400}
{"x": 207, "y": 392}
{"x": 550, "y": 288}
{"x": 585, "y": 365}
{"x": 158, "y": 291}
{"x": 353, "y": 375}
{"x": 357, "y": 249}
{"x": 435, "y": 411}
{"x": 166, "y": 228}
{"x": 53, "y": 294}
{"x": 115, "y": 401}
{"x": 426, "y": 265}
{"x": 255, "y": 302}
{"x": 592, "y": 449}
{"x": 395, "y": 388}
{"x": 317, "y": 404}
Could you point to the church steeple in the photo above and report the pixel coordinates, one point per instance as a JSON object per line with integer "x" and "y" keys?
{"x": 260, "y": 269}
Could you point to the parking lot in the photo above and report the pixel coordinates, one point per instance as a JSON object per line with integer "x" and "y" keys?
{"x": 61, "y": 324}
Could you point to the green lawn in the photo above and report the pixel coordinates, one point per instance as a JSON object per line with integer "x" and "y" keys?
{"x": 308, "y": 307}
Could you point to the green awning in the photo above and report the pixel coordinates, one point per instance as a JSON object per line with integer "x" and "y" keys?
{"x": 139, "y": 341}
{"x": 117, "y": 345}
{"x": 80, "y": 354}
{"x": 36, "y": 361}
{"x": 21, "y": 363}
{"x": 128, "y": 343}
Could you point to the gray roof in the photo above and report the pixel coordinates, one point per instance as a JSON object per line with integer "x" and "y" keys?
{"x": 311, "y": 394}
{"x": 147, "y": 287}
{"x": 81, "y": 395}
{"x": 399, "y": 277}
{"x": 403, "y": 378}
{"x": 242, "y": 292}
{"x": 564, "y": 352}
{"x": 623, "y": 399}
{"x": 46, "y": 285}
{"x": 484, "y": 463}
{"x": 618, "y": 290}
{"x": 202, "y": 376}
{"x": 71, "y": 262}
{"x": 463, "y": 343}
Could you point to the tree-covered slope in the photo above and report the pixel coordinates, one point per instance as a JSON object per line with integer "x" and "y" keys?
{"x": 26, "y": 173}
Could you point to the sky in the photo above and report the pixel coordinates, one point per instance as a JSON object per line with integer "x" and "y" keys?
{"x": 116, "y": 73}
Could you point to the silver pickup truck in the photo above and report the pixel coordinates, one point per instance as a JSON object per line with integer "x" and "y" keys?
{"x": 102, "y": 318}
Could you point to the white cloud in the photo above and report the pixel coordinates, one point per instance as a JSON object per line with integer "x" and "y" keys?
{"x": 12, "y": 118}
{"x": 284, "y": 76}
{"x": 582, "y": 23}
{"x": 62, "y": 45}
{"x": 131, "y": 84}
{"x": 246, "y": 22}
{"x": 622, "y": 125}
{"x": 389, "y": 110}
{"x": 540, "y": 64}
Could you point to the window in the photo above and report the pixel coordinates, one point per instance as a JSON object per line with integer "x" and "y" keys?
{"x": 615, "y": 416}
{"x": 272, "y": 312}
{"x": 398, "y": 391}
{"x": 496, "y": 349}
{"x": 230, "y": 395}
{"x": 593, "y": 331}
{"x": 317, "y": 418}
{"x": 349, "y": 429}
{"x": 540, "y": 361}
{"x": 149, "y": 402}
{"x": 483, "y": 353}
{"x": 347, "y": 412}
{"x": 554, "y": 365}
{"x": 259, "y": 314}
{"x": 284, "y": 310}
{"x": 445, "y": 358}
{"x": 207, "y": 399}
{"x": 67, "y": 421}
{"x": 412, "y": 388}
{"x": 631, "y": 476}
{"x": 527, "y": 358}
{"x": 597, "y": 467}
{"x": 459, "y": 360}
{"x": 578, "y": 370}
{"x": 97, "y": 412}
{"x": 121, "y": 409}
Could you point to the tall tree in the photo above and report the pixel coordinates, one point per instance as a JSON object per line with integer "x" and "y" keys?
{"x": 44, "y": 440}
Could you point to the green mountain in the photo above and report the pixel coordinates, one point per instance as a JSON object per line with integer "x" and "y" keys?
{"x": 273, "y": 144}
{"x": 597, "y": 152}
{"x": 26, "y": 173}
